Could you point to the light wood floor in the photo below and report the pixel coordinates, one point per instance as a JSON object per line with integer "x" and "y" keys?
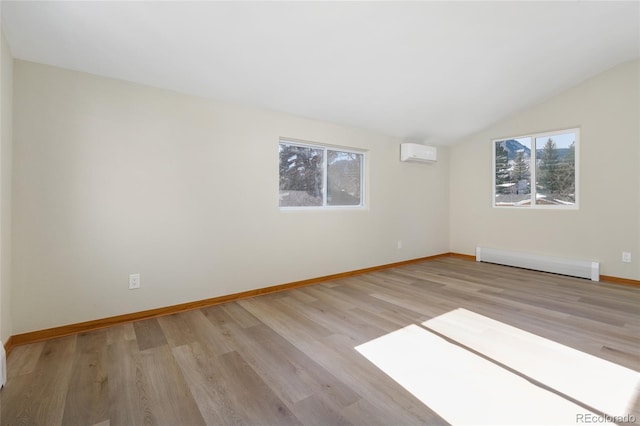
{"x": 289, "y": 357}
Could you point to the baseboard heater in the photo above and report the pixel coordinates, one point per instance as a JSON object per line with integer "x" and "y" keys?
{"x": 557, "y": 265}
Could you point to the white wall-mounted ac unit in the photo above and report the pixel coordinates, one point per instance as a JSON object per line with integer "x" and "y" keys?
{"x": 419, "y": 153}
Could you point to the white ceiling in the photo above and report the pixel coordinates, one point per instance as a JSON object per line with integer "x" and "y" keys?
{"x": 433, "y": 71}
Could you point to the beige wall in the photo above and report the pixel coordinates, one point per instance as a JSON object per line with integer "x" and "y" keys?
{"x": 6, "y": 107}
{"x": 113, "y": 178}
{"x": 606, "y": 110}
{"x": 6, "y": 125}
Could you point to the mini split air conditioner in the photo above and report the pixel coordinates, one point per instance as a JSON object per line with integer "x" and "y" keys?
{"x": 418, "y": 153}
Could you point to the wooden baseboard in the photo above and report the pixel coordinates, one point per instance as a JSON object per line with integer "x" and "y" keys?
{"x": 8, "y": 345}
{"x": 87, "y": 326}
{"x": 462, "y": 256}
{"x": 617, "y": 280}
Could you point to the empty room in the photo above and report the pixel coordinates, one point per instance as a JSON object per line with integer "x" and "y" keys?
{"x": 319, "y": 213}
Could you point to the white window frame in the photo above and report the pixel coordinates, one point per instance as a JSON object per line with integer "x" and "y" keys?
{"x": 532, "y": 170}
{"x": 325, "y": 148}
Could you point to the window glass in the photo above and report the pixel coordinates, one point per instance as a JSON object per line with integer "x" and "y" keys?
{"x": 512, "y": 176}
{"x": 318, "y": 176}
{"x": 301, "y": 175}
{"x": 548, "y": 159}
{"x": 343, "y": 178}
{"x": 556, "y": 169}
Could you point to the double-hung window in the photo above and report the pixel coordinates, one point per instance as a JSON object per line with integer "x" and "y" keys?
{"x": 539, "y": 170}
{"x": 317, "y": 176}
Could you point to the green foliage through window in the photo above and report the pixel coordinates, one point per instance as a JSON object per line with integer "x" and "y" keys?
{"x": 546, "y": 160}
{"x": 318, "y": 176}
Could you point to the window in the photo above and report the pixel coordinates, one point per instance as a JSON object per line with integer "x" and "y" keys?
{"x": 538, "y": 170}
{"x": 320, "y": 176}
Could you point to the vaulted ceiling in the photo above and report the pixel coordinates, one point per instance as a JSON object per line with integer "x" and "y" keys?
{"x": 432, "y": 71}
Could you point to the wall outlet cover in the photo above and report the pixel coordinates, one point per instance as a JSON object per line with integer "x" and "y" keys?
{"x": 134, "y": 281}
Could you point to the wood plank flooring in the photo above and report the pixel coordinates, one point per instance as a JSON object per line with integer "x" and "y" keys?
{"x": 288, "y": 358}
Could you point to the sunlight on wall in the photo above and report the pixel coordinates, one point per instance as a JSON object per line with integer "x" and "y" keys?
{"x": 465, "y": 388}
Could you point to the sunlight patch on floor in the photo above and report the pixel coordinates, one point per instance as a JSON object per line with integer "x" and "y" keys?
{"x": 598, "y": 383}
{"x": 462, "y": 387}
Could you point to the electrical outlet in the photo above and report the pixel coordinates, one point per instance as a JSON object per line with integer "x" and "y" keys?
{"x": 626, "y": 257}
{"x": 399, "y": 244}
{"x": 134, "y": 281}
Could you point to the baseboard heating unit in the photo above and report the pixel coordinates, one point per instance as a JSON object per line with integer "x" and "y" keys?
{"x": 557, "y": 265}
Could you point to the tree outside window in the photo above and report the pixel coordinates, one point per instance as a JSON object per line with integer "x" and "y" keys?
{"x": 550, "y": 163}
{"x": 319, "y": 176}
{"x": 556, "y": 172}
